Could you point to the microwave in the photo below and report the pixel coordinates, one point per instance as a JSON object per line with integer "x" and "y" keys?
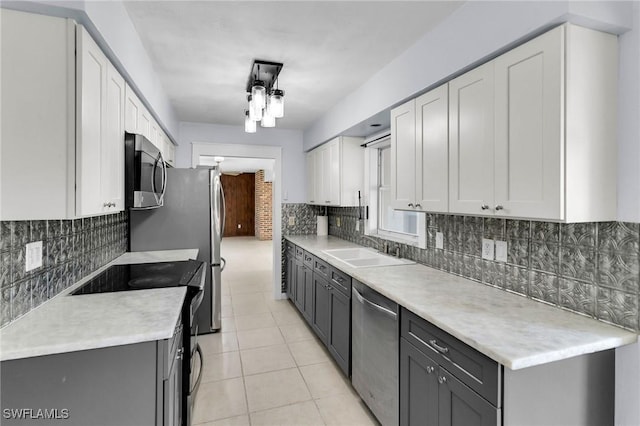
{"x": 145, "y": 173}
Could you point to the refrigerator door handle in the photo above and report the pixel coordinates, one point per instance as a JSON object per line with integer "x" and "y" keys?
{"x": 223, "y": 210}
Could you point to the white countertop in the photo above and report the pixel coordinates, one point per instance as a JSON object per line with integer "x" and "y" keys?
{"x": 512, "y": 330}
{"x": 74, "y": 323}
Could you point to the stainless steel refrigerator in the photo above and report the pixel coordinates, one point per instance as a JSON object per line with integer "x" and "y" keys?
{"x": 192, "y": 217}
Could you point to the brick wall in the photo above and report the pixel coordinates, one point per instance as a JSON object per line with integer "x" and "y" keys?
{"x": 263, "y": 207}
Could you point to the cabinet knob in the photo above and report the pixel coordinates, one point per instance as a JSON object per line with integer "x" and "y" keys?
{"x": 328, "y": 201}
{"x": 418, "y": 206}
{"x": 484, "y": 207}
{"x": 410, "y": 205}
{"x": 179, "y": 353}
{"x": 499, "y": 207}
{"x": 430, "y": 369}
{"x": 442, "y": 379}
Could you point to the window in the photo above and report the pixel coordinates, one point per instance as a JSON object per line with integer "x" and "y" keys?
{"x": 385, "y": 222}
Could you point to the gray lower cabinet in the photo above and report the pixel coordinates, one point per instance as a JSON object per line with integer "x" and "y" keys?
{"x": 290, "y": 271}
{"x": 322, "y": 294}
{"x": 137, "y": 384}
{"x": 321, "y": 307}
{"x": 445, "y": 382}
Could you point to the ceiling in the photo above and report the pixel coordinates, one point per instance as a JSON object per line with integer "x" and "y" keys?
{"x": 203, "y": 50}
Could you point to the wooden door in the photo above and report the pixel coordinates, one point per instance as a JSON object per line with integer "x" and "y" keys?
{"x": 432, "y": 150}
{"x": 528, "y": 131}
{"x": 239, "y": 194}
{"x": 471, "y": 164}
{"x": 403, "y": 156}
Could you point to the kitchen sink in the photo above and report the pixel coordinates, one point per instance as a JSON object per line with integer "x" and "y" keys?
{"x": 365, "y": 258}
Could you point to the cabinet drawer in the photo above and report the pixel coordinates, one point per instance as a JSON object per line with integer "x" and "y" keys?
{"x": 308, "y": 259}
{"x": 290, "y": 250}
{"x": 341, "y": 281}
{"x": 299, "y": 253}
{"x": 321, "y": 268}
{"x": 479, "y": 372}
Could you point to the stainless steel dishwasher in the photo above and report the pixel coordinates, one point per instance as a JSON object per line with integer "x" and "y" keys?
{"x": 374, "y": 362}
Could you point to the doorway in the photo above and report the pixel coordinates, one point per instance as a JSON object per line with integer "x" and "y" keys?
{"x": 265, "y": 161}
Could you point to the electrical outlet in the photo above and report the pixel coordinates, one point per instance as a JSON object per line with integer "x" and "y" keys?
{"x": 292, "y": 220}
{"x": 439, "y": 240}
{"x": 501, "y": 251}
{"x": 487, "y": 249}
{"x": 33, "y": 258}
{"x": 338, "y": 221}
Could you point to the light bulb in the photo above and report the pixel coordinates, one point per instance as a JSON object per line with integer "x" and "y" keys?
{"x": 259, "y": 93}
{"x": 255, "y": 112}
{"x": 268, "y": 120}
{"x": 276, "y": 103}
{"x": 249, "y": 124}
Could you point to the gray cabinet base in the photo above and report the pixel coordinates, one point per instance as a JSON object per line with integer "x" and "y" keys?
{"x": 110, "y": 386}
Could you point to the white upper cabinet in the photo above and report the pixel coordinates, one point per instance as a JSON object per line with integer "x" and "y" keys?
{"x": 335, "y": 172}
{"x": 37, "y": 163}
{"x": 112, "y": 182}
{"x": 100, "y": 130}
{"x": 471, "y": 167}
{"x": 311, "y": 177}
{"x": 403, "y": 156}
{"x": 133, "y": 111}
{"x": 531, "y": 132}
{"x": 420, "y": 153}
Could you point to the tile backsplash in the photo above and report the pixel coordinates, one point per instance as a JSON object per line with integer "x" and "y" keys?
{"x": 71, "y": 250}
{"x": 588, "y": 268}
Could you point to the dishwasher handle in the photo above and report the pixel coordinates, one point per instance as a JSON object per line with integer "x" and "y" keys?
{"x": 367, "y": 302}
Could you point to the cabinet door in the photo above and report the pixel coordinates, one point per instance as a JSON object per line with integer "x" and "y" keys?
{"x": 144, "y": 122}
{"x": 319, "y": 191}
{"x": 528, "y": 128}
{"x": 460, "y": 406}
{"x": 403, "y": 156}
{"x": 131, "y": 111}
{"x": 333, "y": 180}
{"x": 299, "y": 292}
{"x": 91, "y": 100}
{"x": 320, "y": 307}
{"x": 311, "y": 177}
{"x": 112, "y": 174}
{"x": 432, "y": 150}
{"x": 471, "y": 164}
{"x": 339, "y": 336}
{"x": 418, "y": 387}
{"x": 308, "y": 294}
{"x": 323, "y": 172}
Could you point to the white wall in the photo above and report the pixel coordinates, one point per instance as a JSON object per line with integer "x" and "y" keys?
{"x": 472, "y": 34}
{"x": 109, "y": 23}
{"x": 293, "y": 159}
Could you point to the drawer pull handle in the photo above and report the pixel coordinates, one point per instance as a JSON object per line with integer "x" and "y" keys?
{"x": 439, "y": 348}
{"x": 442, "y": 379}
{"x": 430, "y": 369}
{"x": 339, "y": 280}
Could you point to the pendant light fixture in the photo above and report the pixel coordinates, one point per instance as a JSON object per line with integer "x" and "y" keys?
{"x": 266, "y": 100}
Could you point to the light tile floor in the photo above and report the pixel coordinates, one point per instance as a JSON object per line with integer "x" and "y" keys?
{"x": 266, "y": 367}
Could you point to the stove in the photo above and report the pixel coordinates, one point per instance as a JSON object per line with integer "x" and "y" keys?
{"x": 147, "y": 276}
{"x": 142, "y": 276}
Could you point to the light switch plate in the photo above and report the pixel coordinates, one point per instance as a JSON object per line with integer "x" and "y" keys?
{"x": 439, "y": 240}
{"x": 501, "y": 251}
{"x": 487, "y": 249}
{"x": 33, "y": 258}
{"x": 292, "y": 220}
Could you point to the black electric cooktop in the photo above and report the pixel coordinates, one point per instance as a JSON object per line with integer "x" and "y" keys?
{"x": 140, "y": 276}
